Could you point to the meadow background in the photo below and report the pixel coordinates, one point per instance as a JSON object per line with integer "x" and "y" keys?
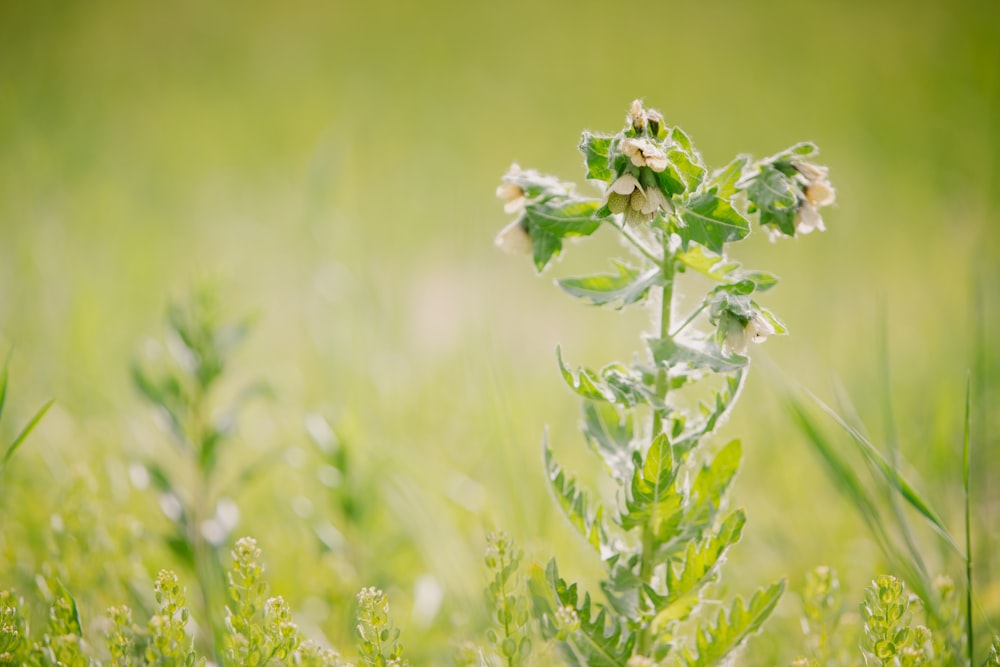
{"x": 329, "y": 168}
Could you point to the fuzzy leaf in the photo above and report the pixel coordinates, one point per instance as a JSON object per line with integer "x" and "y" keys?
{"x": 711, "y": 221}
{"x": 550, "y": 221}
{"x": 701, "y": 559}
{"x": 609, "y": 432}
{"x": 685, "y": 159}
{"x": 596, "y": 149}
{"x": 585, "y": 514}
{"x": 602, "y": 640}
{"x": 623, "y": 289}
{"x": 776, "y": 198}
{"x": 712, "y": 414}
{"x": 694, "y": 355}
{"x": 727, "y": 178}
{"x": 713, "y": 643}
{"x": 653, "y": 498}
{"x": 721, "y": 269}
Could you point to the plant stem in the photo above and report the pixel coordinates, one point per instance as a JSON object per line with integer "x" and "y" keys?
{"x": 639, "y": 245}
{"x": 648, "y": 557}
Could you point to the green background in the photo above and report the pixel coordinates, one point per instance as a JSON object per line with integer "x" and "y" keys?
{"x": 330, "y": 167}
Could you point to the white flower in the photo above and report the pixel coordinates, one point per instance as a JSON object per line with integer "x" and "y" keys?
{"x": 512, "y": 196}
{"x": 816, "y": 192}
{"x": 510, "y": 192}
{"x": 808, "y": 219}
{"x": 637, "y": 115}
{"x": 514, "y": 238}
{"x": 644, "y": 153}
{"x": 756, "y": 329}
{"x": 626, "y": 195}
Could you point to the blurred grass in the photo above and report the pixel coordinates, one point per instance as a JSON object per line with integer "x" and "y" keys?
{"x": 331, "y": 165}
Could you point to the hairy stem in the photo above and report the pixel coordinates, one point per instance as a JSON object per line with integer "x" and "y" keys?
{"x": 648, "y": 560}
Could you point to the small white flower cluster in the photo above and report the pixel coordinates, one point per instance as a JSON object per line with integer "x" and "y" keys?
{"x": 626, "y": 195}
{"x": 816, "y": 193}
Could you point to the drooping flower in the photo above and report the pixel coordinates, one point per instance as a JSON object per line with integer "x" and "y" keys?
{"x": 644, "y": 153}
{"x": 510, "y": 192}
{"x": 816, "y": 193}
{"x": 514, "y": 238}
{"x": 626, "y": 195}
{"x": 738, "y": 334}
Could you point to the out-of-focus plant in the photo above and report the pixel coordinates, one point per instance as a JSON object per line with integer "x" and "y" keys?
{"x": 182, "y": 389}
{"x": 13, "y": 445}
{"x": 666, "y": 531}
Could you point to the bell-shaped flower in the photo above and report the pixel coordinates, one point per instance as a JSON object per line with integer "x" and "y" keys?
{"x": 645, "y": 153}
{"x": 626, "y": 195}
{"x": 738, "y": 334}
{"x": 816, "y": 193}
{"x": 512, "y": 196}
{"x": 514, "y": 238}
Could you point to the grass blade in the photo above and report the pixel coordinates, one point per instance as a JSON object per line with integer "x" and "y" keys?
{"x": 891, "y": 475}
{"x": 966, "y": 447}
{"x": 3, "y": 382}
{"x": 24, "y": 433}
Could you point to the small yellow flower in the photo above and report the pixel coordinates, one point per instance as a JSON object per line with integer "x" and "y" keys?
{"x": 644, "y": 153}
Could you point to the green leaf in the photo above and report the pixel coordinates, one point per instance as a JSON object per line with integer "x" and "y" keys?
{"x": 596, "y": 148}
{"x": 693, "y": 354}
{"x": 585, "y": 514}
{"x": 603, "y": 639}
{"x": 584, "y": 382}
{"x": 799, "y": 151}
{"x": 701, "y": 561}
{"x": 711, "y": 221}
{"x": 776, "y": 198}
{"x": 725, "y": 180}
{"x": 712, "y": 482}
{"x": 713, "y": 643}
{"x": 713, "y": 413}
{"x": 685, "y": 159}
{"x": 32, "y": 423}
{"x": 653, "y": 500}
{"x": 550, "y": 221}
{"x": 626, "y": 287}
{"x": 609, "y": 432}
{"x": 722, "y": 269}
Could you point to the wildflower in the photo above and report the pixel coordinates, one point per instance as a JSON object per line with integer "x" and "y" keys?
{"x": 510, "y": 192}
{"x": 626, "y": 195}
{"x": 514, "y": 238}
{"x": 816, "y": 193}
{"x": 738, "y": 334}
{"x": 637, "y": 115}
{"x": 644, "y": 153}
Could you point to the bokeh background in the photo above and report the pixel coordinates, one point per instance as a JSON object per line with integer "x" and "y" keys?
{"x": 330, "y": 167}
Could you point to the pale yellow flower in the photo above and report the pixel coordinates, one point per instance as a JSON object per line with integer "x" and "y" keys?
{"x": 757, "y": 329}
{"x": 626, "y": 195}
{"x": 817, "y": 192}
{"x": 514, "y": 238}
{"x": 644, "y": 153}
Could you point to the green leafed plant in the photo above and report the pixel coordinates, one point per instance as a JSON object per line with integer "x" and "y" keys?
{"x": 665, "y": 534}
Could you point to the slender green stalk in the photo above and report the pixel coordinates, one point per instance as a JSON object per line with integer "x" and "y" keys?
{"x": 639, "y": 245}
{"x": 968, "y": 529}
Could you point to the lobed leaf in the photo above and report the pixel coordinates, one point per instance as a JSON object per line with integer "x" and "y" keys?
{"x": 609, "y": 432}
{"x": 715, "y": 642}
{"x": 585, "y": 514}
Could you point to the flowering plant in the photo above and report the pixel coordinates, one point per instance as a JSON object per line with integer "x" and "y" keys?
{"x": 665, "y": 534}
